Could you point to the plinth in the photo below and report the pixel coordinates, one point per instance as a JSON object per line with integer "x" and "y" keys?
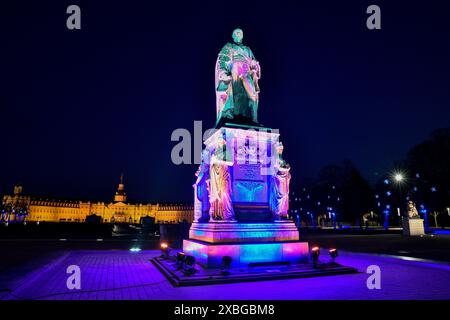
{"x": 245, "y": 214}
{"x": 413, "y": 227}
{"x": 246, "y": 243}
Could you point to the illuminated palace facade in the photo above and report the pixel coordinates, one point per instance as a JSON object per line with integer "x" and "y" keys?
{"x": 77, "y": 211}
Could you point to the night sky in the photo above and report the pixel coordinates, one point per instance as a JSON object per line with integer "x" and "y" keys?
{"x": 80, "y": 107}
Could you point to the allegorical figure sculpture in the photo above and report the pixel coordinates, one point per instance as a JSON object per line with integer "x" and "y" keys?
{"x": 201, "y": 190}
{"x": 220, "y": 184}
{"x": 412, "y": 211}
{"x": 237, "y": 75}
{"x": 279, "y": 186}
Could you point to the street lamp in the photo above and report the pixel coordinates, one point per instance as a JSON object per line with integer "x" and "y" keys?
{"x": 398, "y": 177}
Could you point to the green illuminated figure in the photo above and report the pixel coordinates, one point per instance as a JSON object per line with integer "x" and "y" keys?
{"x": 237, "y": 75}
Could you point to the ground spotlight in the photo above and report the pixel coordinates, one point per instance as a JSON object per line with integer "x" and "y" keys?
{"x": 226, "y": 265}
{"x": 189, "y": 265}
{"x": 180, "y": 259}
{"x": 333, "y": 254}
{"x": 315, "y": 253}
{"x": 135, "y": 249}
{"x": 165, "y": 250}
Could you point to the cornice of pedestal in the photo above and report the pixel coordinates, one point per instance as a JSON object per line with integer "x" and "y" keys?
{"x": 261, "y": 134}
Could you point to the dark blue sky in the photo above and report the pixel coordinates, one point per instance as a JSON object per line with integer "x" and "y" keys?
{"x": 80, "y": 107}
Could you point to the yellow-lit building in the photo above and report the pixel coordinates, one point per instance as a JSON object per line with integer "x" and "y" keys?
{"x": 76, "y": 211}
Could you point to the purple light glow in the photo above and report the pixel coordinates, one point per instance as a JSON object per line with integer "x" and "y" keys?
{"x": 120, "y": 275}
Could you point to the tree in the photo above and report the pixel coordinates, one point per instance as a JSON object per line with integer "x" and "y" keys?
{"x": 343, "y": 188}
{"x": 435, "y": 215}
{"x": 357, "y": 194}
{"x": 430, "y": 161}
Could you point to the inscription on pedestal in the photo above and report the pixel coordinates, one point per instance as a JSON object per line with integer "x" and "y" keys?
{"x": 248, "y": 172}
{"x": 249, "y": 185}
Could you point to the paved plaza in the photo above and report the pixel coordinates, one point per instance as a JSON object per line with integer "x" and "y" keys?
{"x": 121, "y": 274}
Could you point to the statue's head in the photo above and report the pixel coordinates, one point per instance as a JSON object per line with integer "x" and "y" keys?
{"x": 17, "y": 189}
{"x": 238, "y": 34}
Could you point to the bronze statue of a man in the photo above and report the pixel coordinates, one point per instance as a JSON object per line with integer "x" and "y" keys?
{"x": 237, "y": 75}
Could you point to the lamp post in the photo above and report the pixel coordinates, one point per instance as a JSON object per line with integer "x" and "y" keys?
{"x": 399, "y": 179}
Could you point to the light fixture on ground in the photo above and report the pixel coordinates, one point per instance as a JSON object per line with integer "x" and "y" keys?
{"x": 165, "y": 250}
{"x": 189, "y": 265}
{"x": 333, "y": 254}
{"x": 226, "y": 265}
{"x": 315, "y": 253}
{"x": 180, "y": 259}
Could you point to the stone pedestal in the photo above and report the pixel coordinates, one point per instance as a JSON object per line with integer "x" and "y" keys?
{"x": 248, "y": 200}
{"x": 252, "y": 155}
{"x": 229, "y": 232}
{"x": 413, "y": 227}
{"x": 245, "y": 243}
{"x": 245, "y": 254}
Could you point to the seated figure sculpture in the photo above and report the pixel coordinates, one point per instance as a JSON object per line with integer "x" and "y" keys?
{"x": 412, "y": 211}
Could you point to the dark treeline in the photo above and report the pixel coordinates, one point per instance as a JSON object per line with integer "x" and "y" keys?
{"x": 341, "y": 195}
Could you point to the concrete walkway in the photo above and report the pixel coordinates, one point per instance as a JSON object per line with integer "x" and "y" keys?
{"x": 118, "y": 274}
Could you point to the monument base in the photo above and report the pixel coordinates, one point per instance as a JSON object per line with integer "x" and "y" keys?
{"x": 413, "y": 227}
{"x": 238, "y": 232}
{"x": 207, "y": 276}
{"x": 210, "y": 255}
